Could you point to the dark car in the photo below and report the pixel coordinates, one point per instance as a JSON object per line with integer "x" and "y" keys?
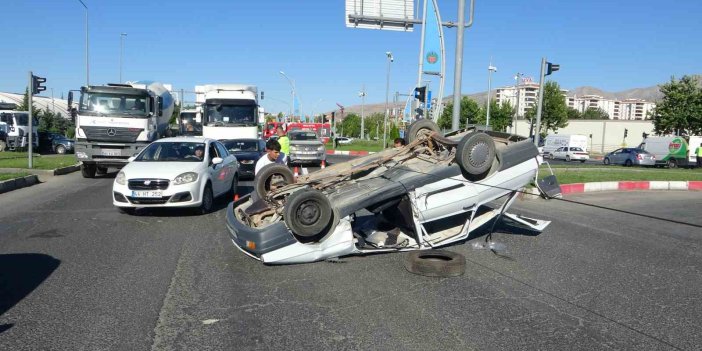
{"x": 247, "y": 152}
{"x": 629, "y": 157}
{"x": 55, "y": 142}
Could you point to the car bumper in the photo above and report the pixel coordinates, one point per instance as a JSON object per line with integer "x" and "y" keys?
{"x": 579, "y": 157}
{"x": 307, "y": 156}
{"x": 183, "y": 195}
{"x": 645, "y": 162}
{"x": 253, "y": 241}
{"x": 246, "y": 170}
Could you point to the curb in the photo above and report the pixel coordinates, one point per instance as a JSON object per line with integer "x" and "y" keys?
{"x": 349, "y": 153}
{"x": 17, "y": 183}
{"x": 66, "y": 170}
{"x": 576, "y": 188}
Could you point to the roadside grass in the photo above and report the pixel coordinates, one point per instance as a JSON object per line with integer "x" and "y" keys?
{"x": 358, "y": 145}
{"x": 6, "y": 176}
{"x": 607, "y": 174}
{"x": 39, "y": 162}
{"x": 12, "y": 154}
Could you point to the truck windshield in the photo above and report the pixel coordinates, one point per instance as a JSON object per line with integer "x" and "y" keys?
{"x": 113, "y": 103}
{"x": 230, "y": 115}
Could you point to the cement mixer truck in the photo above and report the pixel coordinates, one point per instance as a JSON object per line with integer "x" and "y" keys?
{"x": 116, "y": 121}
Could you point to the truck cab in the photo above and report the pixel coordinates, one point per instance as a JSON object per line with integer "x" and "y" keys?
{"x": 16, "y": 125}
{"x": 229, "y": 111}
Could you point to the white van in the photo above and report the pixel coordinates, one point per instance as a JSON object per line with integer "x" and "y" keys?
{"x": 555, "y": 141}
{"x": 673, "y": 151}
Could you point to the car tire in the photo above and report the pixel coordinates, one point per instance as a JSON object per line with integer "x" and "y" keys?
{"x": 207, "y": 200}
{"x": 88, "y": 171}
{"x": 127, "y": 210}
{"x": 308, "y": 213}
{"x": 420, "y": 128}
{"x": 567, "y": 158}
{"x": 60, "y": 149}
{"x": 262, "y": 180}
{"x": 475, "y": 154}
{"x": 582, "y": 161}
{"x": 628, "y": 163}
{"x": 672, "y": 163}
{"x": 435, "y": 263}
{"x": 606, "y": 161}
{"x": 551, "y": 156}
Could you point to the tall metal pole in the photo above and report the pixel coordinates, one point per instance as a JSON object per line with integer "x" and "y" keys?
{"x": 491, "y": 69}
{"x": 541, "y": 102}
{"x": 363, "y": 102}
{"x": 30, "y": 92}
{"x": 87, "y": 60}
{"x": 458, "y": 68}
{"x": 387, "y": 97}
{"x": 121, "y": 49}
{"x": 517, "y": 77}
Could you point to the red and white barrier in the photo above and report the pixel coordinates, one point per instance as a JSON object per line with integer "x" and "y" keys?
{"x": 630, "y": 186}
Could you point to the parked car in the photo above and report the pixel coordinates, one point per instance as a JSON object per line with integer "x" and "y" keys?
{"x": 630, "y": 157}
{"x": 569, "y": 153}
{"x": 176, "y": 172}
{"x": 247, "y": 152}
{"x": 344, "y": 140}
{"x": 55, "y": 142}
{"x": 433, "y": 192}
{"x": 553, "y": 142}
{"x": 306, "y": 147}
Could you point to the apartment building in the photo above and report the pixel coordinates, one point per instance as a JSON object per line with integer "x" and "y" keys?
{"x": 521, "y": 96}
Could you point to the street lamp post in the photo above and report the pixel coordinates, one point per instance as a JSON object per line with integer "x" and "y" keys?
{"x": 387, "y": 96}
{"x": 292, "y": 84}
{"x": 362, "y": 94}
{"x": 491, "y": 69}
{"x": 517, "y": 77}
{"x": 121, "y": 49}
{"x": 87, "y": 61}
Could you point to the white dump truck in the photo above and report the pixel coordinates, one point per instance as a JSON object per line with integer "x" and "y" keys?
{"x": 229, "y": 111}
{"x": 116, "y": 121}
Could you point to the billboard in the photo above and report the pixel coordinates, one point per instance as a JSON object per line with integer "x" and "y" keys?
{"x": 397, "y": 15}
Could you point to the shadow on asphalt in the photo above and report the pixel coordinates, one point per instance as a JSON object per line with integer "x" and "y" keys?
{"x": 20, "y": 274}
{"x": 220, "y": 203}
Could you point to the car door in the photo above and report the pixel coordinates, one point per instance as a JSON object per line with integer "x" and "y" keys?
{"x": 623, "y": 156}
{"x": 558, "y": 153}
{"x": 229, "y": 165}
{"x": 214, "y": 170}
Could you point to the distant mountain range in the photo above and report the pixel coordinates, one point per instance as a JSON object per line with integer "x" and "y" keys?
{"x": 649, "y": 94}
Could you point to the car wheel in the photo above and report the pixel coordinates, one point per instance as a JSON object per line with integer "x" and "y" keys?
{"x": 127, "y": 210}
{"x": 567, "y": 158}
{"x": 420, "y": 128}
{"x": 582, "y": 161}
{"x": 475, "y": 154}
{"x": 60, "y": 149}
{"x": 308, "y": 213}
{"x": 207, "y": 200}
{"x": 672, "y": 163}
{"x": 628, "y": 163}
{"x": 551, "y": 156}
{"x": 273, "y": 174}
{"x": 88, "y": 171}
{"x": 606, "y": 161}
{"x": 435, "y": 263}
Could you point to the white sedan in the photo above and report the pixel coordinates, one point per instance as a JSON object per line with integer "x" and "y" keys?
{"x": 570, "y": 153}
{"x": 176, "y": 172}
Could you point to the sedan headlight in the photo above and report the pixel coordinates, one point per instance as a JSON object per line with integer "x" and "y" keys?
{"x": 121, "y": 178}
{"x": 187, "y": 177}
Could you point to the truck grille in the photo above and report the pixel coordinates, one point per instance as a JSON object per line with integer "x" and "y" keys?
{"x": 114, "y": 134}
{"x": 148, "y": 184}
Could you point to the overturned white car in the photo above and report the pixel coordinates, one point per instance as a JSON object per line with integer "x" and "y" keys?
{"x": 430, "y": 193}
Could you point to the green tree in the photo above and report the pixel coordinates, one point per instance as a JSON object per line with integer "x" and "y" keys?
{"x": 554, "y": 113}
{"x": 394, "y": 132}
{"x": 595, "y": 113}
{"x": 24, "y": 106}
{"x": 680, "y": 111}
{"x": 470, "y": 113}
{"x": 374, "y": 125}
{"x": 574, "y": 114}
{"x": 351, "y": 125}
{"x": 500, "y": 115}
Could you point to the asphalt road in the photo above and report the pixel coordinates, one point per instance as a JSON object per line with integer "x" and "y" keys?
{"x": 75, "y": 274}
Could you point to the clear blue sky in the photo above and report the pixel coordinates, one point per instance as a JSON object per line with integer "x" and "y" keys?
{"x": 612, "y": 45}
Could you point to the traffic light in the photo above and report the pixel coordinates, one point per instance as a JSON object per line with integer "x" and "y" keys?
{"x": 420, "y": 93}
{"x": 552, "y": 67}
{"x": 37, "y": 86}
{"x": 626, "y": 132}
{"x": 332, "y": 118}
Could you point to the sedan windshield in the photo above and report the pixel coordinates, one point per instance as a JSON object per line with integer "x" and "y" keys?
{"x": 242, "y": 145}
{"x": 172, "y": 152}
{"x": 303, "y": 136}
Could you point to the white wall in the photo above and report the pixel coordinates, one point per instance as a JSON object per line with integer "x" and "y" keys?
{"x": 607, "y": 135}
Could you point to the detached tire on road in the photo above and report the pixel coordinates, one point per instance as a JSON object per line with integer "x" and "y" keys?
{"x": 270, "y": 174}
{"x": 475, "y": 154}
{"x": 435, "y": 263}
{"x": 308, "y": 213}
{"x": 419, "y": 128}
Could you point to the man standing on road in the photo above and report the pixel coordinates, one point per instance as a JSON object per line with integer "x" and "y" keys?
{"x": 284, "y": 142}
{"x": 698, "y": 153}
{"x": 272, "y": 155}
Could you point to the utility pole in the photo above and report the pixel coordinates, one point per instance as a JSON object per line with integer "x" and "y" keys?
{"x": 387, "y": 97}
{"x": 362, "y": 94}
{"x": 491, "y": 69}
{"x": 30, "y": 92}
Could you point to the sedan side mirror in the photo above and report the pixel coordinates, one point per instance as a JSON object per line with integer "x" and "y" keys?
{"x": 217, "y": 160}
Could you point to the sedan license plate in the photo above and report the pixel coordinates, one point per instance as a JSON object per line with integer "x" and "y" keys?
{"x": 111, "y": 152}
{"x": 147, "y": 193}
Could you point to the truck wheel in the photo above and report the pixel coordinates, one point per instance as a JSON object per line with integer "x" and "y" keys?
{"x": 672, "y": 163}
{"x": 272, "y": 175}
{"x": 475, "y": 154}
{"x": 435, "y": 263}
{"x": 420, "y": 128}
{"x": 88, "y": 171}
{"x": 308, "y": 213}
{"x": 60, "y": 149}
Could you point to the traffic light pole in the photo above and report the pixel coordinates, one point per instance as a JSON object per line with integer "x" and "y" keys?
{"x": 537, "y": 128}
{"x": 30, "y": 92}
